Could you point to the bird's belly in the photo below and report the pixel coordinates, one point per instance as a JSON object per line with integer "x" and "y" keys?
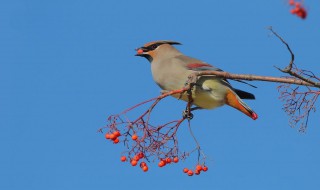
{"x": 207, "y": 100}
{"x": 170, "y": 82}
{"x": 204, "y": 99}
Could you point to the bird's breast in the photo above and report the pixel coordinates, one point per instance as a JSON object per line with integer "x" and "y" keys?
{"x": 169, "y": 76}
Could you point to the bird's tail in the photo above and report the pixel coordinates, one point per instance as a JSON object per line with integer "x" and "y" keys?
{"x": 244, "y": 95}
{"x": 233, "y": 100}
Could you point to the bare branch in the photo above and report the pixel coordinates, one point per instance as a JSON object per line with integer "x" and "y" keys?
{"x": 288, "y": 69}
{"x": 251, "y": 77}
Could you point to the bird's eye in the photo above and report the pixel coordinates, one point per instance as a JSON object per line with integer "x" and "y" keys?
{"x": 154, "y": 46}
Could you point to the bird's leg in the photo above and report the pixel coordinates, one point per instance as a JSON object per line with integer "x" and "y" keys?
{"x": 187, "y": 112}
{"x": 192, "y": 81}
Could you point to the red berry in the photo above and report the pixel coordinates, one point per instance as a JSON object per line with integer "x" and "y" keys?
{"x": 116, "y": 140}
{"x": 139, "y": 51}
{"x": 161, "y": 163}
{"x": 190, "y": 173}
{"x": 107, "y": 136}
{"x": 205, "y": 168}
{"x": 123, "y": 158}
{"x": 134, "y": 162}
{"x": 168, "y": 160}
{"x": 291, "y": 2}
{"x": 116, "y": 133}
{"x": 185, "y": 170}
{"x": 299, "y": 13}
{"x": 134, "y": 137}
{"x": 141, "y": 155}
{"x": 199, "y": 167}
{"x": 136, "y": 157}
{"x": 112, "y": 136}
{"x": 175, "y": 159}
{"x": 293, "y": 11}
{"x": 145, "y": 168}
{"x": 302, "y": 13}
{"x": 197, "y": 172}
{"x": 142, "y": 164}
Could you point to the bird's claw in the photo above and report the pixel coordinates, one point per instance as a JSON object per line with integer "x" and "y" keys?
{"x": 187, "y": 114}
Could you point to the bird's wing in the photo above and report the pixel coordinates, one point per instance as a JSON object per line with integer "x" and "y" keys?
{"x": 197, "y": 65}
{"x": 202, "y": 67}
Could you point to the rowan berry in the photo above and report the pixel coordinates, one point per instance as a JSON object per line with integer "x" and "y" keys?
{"x": 123, "y": 158}
{"x": 139, "y": 51}
{"x": 205, "y": 168}
{"x": 134, "y": 137}
{"x": 199, "y": 167}
{"x": 134, "y": 162}
{"x": 136, "y": 157}
{"x": 145, "y": 168}
{"x": 185, "y": 170}
{"x": 168, "y": 160}
{"x": 142, "y": 164}
{"x": 291, "y": 2}
{"x": 107, "y": 136}
{"x": 302, "y": 13}
{"x": 112, "y": 136}
{"x": 175, "y": 159}
{"x": 116, "y": 133}
{"x": 161, "y": 163}
{"x": 190, "y": 173}
{"x": 141, "y": 155}
{"x": 116, "y": 140}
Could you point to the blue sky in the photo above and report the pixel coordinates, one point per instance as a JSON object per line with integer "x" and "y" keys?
{"x": 66, "y": 65}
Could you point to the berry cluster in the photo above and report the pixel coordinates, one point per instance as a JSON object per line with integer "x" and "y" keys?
{"x": 168, "y": 160}
{"x": 143, "y": 165}
{"x": 146, "y": 142}
{"x": 298, "y": 9}
{"x": 113, "y": 136}
{"x": 197, "y": 171}
{"x": 135, "y": 158}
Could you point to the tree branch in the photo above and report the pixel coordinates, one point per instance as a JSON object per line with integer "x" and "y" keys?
{"x": 289, "y": 68}
{"x": 251, "y": 77}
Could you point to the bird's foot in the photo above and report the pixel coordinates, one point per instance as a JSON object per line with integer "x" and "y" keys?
{"x": 187, "y": 114}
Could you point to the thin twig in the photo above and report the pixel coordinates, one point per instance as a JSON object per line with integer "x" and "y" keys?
{"x": 288, "y": 69}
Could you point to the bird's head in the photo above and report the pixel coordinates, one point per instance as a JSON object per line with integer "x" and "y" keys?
{"x": 157, "y": 49}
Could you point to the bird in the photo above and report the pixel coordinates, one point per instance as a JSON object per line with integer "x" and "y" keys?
{"x": 170, "y": 70}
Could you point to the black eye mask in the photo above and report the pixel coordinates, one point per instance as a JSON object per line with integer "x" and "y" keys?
{"x": 151, "y": 47}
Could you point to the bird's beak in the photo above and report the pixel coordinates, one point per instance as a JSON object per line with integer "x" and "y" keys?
{"x": 140, "y": 52}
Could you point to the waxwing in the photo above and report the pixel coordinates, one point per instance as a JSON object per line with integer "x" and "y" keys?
{"x": 170, "y": 70}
